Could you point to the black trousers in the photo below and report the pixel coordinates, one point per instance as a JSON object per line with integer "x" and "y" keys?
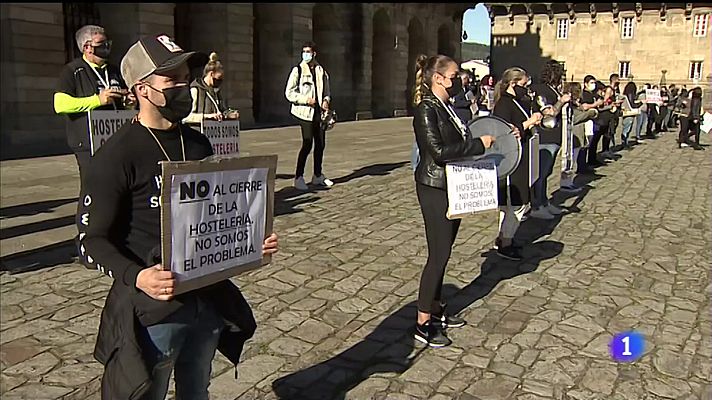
{"x": 84, "y": 162}
{"x": 593, "y": 146}
{"x": 440, "y": 233}
{"x": 312, "y": 135}
{"x": 687, "y": 129}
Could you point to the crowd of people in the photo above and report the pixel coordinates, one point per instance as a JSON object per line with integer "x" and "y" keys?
{"x": 580, "y": 118}
{"x": 147, "y": 332}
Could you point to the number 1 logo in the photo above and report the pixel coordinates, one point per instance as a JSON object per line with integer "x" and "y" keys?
{"x": 627, "y": 346}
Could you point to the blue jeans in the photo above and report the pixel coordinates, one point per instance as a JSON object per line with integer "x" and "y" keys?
{"x": 547, "y": 157}
{"x": 641, "y": 123}
{"x": 186, "y": 341}
{"x": 627, "y": 128}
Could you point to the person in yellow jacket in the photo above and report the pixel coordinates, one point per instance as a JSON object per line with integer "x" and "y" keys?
{"x": 88, "y": 83}
{"x": 309, "y": 92}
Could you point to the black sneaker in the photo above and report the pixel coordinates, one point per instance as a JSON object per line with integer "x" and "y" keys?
{"x": 447, "y": 321}
{"x": 431, "y": 334}
{"x": 510, "y": 253}
{"x": 498, "y": 242}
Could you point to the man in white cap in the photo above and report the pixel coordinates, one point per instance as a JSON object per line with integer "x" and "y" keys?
{"x": 146, "y": 332}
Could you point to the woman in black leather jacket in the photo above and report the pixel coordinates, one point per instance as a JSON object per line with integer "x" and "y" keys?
{"x": 513, "y": 105}
{"x": 441, "y": 138}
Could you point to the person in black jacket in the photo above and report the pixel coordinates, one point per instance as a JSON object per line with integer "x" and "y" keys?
{"x": 690, "y": 120}
{"x": 463, "y": 101}
{"x": 146, "y": 331}
{"x": 549, "y": 101}
{"x": 208, "y": 102}
{"x": 512, "y": 104}
{"x": 441, "y": 138}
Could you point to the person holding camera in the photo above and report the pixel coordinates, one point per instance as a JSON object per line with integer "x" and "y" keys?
{"x": 89, "y": 83}
{"x": 207, "y": 100}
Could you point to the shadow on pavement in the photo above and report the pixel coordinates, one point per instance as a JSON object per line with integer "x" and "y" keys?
{"x": 390, "y": 348}
{"x": 33, "y": 208}
{"x": 288, "y": 198}
{"x": 41, "y": 258}
{"x": 34, "y": 227}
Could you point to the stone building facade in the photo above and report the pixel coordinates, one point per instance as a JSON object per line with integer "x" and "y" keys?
{"x": 368, "y": 48}
{"x": 647, "y": 42}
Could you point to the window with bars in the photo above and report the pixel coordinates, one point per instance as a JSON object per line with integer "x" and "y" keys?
{"x": 695, "y": 70}
{"x": 624, "y": 69}
{"x": 702, "y": 22}
{"x": 77, "y": 15}
{"x": 562, "y": 28}
{"x": 627, "y": 24}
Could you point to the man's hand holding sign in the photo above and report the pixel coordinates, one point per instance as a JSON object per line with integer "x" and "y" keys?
{"x": 161, "y": 284}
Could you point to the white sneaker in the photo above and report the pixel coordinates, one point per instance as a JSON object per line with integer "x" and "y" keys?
{"x": 541, "y": 213}
{"x": 300, "y": 184}
{"x": 554, "y": 210}
{"x": 683, "y": 145}
{"x": 322, "y": 181}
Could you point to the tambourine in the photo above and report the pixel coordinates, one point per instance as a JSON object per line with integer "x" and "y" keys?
{"x": 506, "y": 151}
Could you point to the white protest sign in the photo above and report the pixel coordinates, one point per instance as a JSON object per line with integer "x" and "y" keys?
{"x": 471, "y": 187}
{"x": 653, "y": 96}
{"x": 214, "y": 218}
{"x": 533, "y": 159}
{"x": 223, "y": 135}
{"x": 490, "y": 98}
{"x": 104, "y": 123}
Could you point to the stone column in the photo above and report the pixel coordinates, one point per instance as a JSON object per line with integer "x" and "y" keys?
{"x": 33, "y": 55}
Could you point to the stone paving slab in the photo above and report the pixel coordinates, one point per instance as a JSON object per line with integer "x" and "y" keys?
{"x": 335, "y": 307}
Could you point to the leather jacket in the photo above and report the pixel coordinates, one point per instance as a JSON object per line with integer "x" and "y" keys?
{"x": 439, "y": 141}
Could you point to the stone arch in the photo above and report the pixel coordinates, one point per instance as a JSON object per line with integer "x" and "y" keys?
{"x": 327, "y": 34}
{"x": 416, "y": 45}
{"x": 382, "y": 65}
{"x": 445, "y": 41}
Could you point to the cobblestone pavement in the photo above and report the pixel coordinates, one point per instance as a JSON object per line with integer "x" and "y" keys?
{"x": 336, "y": 306}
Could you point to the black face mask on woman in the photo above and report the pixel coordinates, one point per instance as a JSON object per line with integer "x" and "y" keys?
{"x": 520, "y": 92}
{"x": 455, "y": 88}
{"x": 179, "y": 102}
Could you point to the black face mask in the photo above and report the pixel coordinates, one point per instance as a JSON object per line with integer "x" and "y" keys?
{"x": 520, "y": 92}
{"x": 102, "y": 51}
{"x": 456, "y": 87}
{"x": 217, "y": 83}
{"x": 179, "y": 102}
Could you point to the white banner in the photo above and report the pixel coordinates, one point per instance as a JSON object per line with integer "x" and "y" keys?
{"x": 471, "y": 187}
{"x": 653, "y": 96}
{"x": 218, "y": 220}
{"x": 533, "y": 159}
{"x": 104, "y": 123}
{"x": 223, "y": 135}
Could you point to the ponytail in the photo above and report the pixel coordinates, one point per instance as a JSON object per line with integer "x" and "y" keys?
{"x": 512, "y": 74}
{"x": 418, "y": 87}
{"x": 425, "y": 68}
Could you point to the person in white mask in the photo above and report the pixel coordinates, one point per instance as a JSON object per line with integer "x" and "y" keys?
{"x": 309, "y": 92}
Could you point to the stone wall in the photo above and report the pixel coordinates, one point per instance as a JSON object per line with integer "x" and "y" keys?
{"x": 596, "y": 48}
{"x": 257, "y": 43}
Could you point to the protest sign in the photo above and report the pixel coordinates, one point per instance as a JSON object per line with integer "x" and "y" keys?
{"x": 223, "y": 135}
{"x": 104, "y": 123}
{"x": 652, "y": 96}
{"x": 533, "y": 159}
{"x": 215, "y": 215}
{"x": 471, "y": 187}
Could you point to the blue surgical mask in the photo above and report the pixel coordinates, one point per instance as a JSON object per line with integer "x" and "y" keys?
{"x": 307, "y": 57}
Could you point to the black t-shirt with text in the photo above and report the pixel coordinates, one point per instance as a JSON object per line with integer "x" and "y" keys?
{"x": 120, "y": 209}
